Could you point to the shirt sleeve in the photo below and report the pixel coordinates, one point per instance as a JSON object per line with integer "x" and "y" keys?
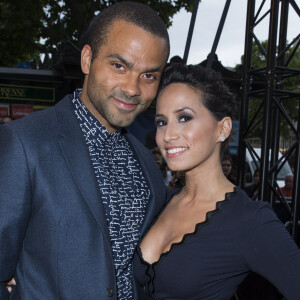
{"x": 14, "y": 203}
{"x": 272, "y": 252}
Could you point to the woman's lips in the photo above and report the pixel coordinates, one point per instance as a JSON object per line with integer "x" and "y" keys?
{"x": 175, "y": 151}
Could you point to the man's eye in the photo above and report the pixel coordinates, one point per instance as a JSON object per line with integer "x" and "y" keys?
{"x": 118, "y": 66}
{"x": 149, "y": 76}
{"x": 185, "y": 118}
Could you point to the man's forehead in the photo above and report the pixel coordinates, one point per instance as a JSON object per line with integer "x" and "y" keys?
{"x": 123, "y": 27}
{"x": 121, "y": 24}
{"x": 133, "y": 46}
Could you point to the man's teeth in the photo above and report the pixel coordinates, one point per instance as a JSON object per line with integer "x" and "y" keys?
{"x": 175, "y": 150}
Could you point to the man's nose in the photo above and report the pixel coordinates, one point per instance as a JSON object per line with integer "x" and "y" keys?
{"x": 131, "y": 86}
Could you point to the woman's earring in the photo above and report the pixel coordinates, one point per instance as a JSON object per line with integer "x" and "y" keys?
{"x": 222, "y": 138}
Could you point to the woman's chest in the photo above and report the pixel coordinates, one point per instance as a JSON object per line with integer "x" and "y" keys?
{"x": 204, "y": 265}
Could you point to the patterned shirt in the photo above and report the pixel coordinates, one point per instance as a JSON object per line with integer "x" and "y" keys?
{"x": 123, "y": 188}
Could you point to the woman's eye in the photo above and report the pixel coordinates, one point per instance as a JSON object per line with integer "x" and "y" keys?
{"x": 160, "y": 123}
{"x": 185, "y": 118}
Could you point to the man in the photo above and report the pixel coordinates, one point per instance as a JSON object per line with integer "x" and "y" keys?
{"x": 6, "y": 119}
{"x": 287, "y": 189}
{"x": 77, "y": 190}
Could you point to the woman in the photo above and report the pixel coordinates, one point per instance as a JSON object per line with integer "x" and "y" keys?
{"x": 210, "y": 234}
{"x": 226, "y": 164}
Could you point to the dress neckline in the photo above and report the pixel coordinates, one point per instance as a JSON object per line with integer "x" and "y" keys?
{"x": 208, "y": 217}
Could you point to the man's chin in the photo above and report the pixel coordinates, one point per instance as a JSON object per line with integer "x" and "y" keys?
{"x": 121, "y": 123}
{"x": 124, "y": 119}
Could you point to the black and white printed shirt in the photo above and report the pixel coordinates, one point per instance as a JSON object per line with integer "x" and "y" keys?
{"x": 123, "y": 188}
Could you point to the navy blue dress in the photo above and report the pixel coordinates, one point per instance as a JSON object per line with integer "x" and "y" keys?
{"x": 238, "y": 236}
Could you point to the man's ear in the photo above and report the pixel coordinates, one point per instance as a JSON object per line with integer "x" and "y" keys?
{"x": 86, "y": 58}
{"x": 225, "y": 128}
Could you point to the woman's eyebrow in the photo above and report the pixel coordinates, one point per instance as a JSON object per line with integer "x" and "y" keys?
{"x": 158, "y": 115}
{"x": 177, "y": 111}
{"x": 184, "y": 108}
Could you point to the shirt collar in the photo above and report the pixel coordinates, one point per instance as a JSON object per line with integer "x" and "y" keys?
{"x": 92, "y": 123}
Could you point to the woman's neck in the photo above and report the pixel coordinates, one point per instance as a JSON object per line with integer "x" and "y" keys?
{"x": 207, "y": 184}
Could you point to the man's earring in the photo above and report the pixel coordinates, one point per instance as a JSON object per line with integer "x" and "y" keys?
{"x": 222, "y": 138}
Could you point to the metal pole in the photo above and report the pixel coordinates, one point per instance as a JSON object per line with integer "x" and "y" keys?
{"x": 246, "y": 85}
{"x": 281, "y": 62}
{"x": 279, "y": 86}
{"x": 191, "y": 30}
{"x": 270, "y": 77}
{"x": 218, "y": 34}
{"x": 296, "y": 190}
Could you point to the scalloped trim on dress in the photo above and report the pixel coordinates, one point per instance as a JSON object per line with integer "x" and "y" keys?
{"x": 208, "y": 217}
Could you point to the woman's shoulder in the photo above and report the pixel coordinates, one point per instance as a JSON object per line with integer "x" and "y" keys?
{"x": 237, "y": 205}
{"x": 248, "y": 210}
{"x": 240, "y": 197}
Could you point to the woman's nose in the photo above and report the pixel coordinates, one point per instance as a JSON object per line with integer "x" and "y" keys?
{"x": 170, "y": 133}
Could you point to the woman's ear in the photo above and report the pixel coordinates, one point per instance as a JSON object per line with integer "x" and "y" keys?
{"x": 86, "y": 58}
{"x": 225, "y": 128}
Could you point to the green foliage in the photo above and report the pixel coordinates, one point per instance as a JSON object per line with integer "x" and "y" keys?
{"x": 19, "y": 29}
{"x": 25, "y": 23}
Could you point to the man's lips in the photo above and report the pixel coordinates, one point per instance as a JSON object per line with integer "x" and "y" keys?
{"x": 124, "y": 105}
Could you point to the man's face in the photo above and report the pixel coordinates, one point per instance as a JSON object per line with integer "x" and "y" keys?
{"x": 123, "y": 79}
{"x": 6, "y": 120}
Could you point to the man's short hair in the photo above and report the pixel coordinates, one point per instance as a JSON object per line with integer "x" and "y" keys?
{"x": 138, "y": 14}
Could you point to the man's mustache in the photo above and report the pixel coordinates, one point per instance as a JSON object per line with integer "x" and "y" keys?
{"x": 127, "y": 98}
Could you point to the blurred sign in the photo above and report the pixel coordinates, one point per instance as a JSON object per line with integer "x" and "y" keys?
{"x": 4, "y": 110}
{"x": 27, "y": 93}
{"x": 20, "y": 111}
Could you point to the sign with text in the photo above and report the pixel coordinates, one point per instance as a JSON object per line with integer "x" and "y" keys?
{"x": 20, "y": 111}
{"x": 27, "y": 93}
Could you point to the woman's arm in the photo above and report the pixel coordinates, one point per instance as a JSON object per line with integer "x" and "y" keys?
{"x": 272, "y": 253}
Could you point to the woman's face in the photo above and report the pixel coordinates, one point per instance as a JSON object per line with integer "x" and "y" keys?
{"x": 187, "y": 134}
{"x": 227, "y": 167}
{"x": 256, "y": 178}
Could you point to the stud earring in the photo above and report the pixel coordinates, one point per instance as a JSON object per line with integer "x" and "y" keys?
{"x": 222, "y": 138}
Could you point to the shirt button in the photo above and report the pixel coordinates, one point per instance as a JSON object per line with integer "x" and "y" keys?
{"x": 109, "y": 292}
